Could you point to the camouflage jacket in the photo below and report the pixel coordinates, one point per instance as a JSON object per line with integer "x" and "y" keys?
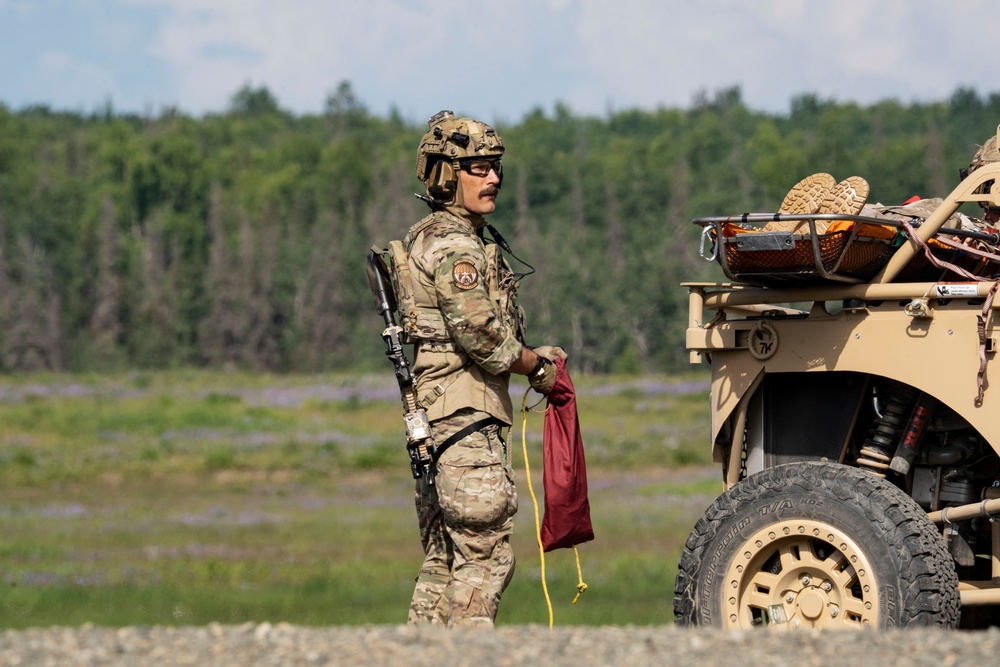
{"x": 471, "y": 327}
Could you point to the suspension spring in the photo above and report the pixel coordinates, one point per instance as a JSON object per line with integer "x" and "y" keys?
{"x": 877, "y": 451}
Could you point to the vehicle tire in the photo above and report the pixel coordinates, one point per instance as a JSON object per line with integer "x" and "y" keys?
{"x": 815, "y": 545}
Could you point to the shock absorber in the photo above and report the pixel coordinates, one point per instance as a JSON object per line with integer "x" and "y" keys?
{"x": 906, "y": 451}
{"x": 877, "y": 451}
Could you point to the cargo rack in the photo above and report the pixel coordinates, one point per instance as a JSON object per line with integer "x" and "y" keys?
{"x": 775, "y": 258}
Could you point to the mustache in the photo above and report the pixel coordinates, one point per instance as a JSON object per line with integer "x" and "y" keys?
{"x": 489, "y": 191}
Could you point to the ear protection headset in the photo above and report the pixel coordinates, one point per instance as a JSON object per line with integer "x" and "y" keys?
{"x": 443, "y": 181}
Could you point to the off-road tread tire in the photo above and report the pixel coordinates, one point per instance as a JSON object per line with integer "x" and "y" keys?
{"x": 927, "y": 579}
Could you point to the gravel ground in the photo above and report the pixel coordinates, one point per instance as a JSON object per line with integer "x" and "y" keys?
{"x": 286, "y": 645}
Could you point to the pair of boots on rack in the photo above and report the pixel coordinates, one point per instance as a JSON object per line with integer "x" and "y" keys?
{"x": 820, "y": 193}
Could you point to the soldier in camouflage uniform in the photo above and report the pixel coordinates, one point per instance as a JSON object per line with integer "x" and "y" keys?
{"x": 468, "y": 334}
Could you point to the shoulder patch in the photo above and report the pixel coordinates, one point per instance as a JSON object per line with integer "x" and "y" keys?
{"x": 464, "y": 274}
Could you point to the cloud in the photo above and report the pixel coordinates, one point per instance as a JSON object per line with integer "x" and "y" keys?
{"x": 498, "y": 60}
{"x": 76, "y": 79}
{"x": 301, "y": 51}
{"x": 648, "y": 53}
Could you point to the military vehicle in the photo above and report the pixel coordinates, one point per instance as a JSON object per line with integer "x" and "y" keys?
{"x": 853, "y": 418}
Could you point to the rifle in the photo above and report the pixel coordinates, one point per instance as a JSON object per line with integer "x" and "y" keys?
{"x": 419, "y": 442}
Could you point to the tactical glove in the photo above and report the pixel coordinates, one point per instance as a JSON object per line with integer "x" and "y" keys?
{"x": 550, "y": 352}
{"x": 543, "y": 377}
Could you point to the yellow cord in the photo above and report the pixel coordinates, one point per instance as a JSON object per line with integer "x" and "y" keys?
{"x": 534, "y": 500}
{"x": 581, "y": 587}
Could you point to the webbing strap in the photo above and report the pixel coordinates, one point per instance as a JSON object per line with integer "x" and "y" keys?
{"x": 981, "y": 329}
{"x": 969, "y": 249}
{"x": 987, "y": 304}
{"x": 437, "y": 391}
{"x": 468, "y": 430}
{"x": 929, "y": 254}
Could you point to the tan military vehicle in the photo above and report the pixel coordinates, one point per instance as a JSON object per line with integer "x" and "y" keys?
{"x": 854, "y": 420}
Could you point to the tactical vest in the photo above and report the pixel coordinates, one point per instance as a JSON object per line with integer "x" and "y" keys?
{"x": 424, "y": 327}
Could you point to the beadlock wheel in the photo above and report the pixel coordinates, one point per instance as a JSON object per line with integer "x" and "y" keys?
{"x": 801, "y": 574}
{"x": 815, "y": 546}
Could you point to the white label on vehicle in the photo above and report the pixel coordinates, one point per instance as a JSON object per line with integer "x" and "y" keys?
{"x": 956, "y": 290}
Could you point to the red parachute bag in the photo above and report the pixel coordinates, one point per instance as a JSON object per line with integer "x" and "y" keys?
{"x": 566, "y": 521}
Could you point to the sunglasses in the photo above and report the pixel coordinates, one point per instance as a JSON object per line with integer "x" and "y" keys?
{"x": 482, "y": 168}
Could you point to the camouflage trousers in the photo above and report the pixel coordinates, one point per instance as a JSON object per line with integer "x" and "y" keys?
{"x": 466, "y": 520}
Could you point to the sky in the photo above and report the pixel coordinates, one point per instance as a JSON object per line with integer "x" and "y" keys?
{"x": 493, "y": 60}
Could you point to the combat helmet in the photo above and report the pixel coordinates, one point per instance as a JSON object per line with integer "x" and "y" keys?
{"x": 448, "y": 140}
{"x": 987, "y": 153}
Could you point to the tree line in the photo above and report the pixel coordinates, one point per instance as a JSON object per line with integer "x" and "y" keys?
{"x": 238, "y": 239}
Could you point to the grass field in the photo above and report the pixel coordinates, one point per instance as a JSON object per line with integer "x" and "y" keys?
{"x": 189, "y": 497}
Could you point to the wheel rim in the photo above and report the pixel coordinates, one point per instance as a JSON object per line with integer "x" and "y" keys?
{"x": 800, "y": 574}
